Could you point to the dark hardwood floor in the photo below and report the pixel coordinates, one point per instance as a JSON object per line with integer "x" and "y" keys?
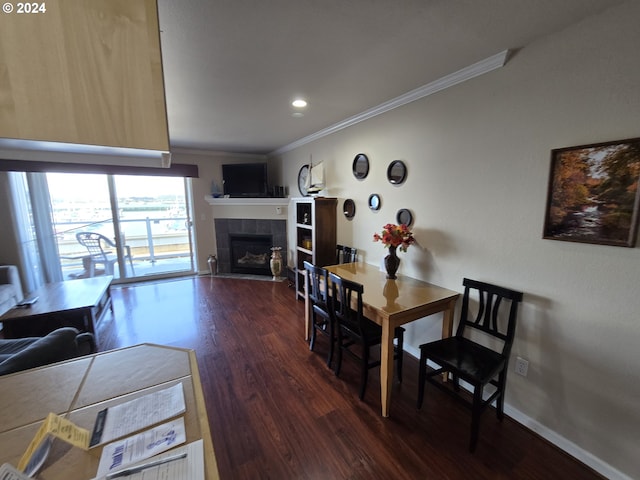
{"x": 277, "y": 412}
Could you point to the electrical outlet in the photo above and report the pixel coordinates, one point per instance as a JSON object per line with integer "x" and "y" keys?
{"x": 522, "y": 366}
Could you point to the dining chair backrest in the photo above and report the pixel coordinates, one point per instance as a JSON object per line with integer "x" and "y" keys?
{"x": 319, "y": 313}
{"x": 346, "y": 304}
{"x": 318, "y": 289}
{"x": 346, "y": 254}
{"x": 485, "y": 316}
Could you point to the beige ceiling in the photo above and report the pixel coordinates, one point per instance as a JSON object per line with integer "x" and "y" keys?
{"x": 232, "y": 67}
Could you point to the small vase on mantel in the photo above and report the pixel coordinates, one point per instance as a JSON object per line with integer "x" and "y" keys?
{"x": 391, "y": 263}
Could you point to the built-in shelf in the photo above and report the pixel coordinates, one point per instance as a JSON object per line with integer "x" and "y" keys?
{"x": 315, "y": 233}
{"x": 247, "y": 201}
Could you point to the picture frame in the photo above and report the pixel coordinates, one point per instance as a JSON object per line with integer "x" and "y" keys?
{"x": 593, "y": 194}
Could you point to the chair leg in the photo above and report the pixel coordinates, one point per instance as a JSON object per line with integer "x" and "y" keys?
{"x": 476, "y": 410}
{"x": 502, "y": 381}
{"x": 312, "y": 340}
{"x": 364, "y": 375}
{"x": 400, "y": 347}
{"x": 422, "y": 374}
{"x": 331, "y": 343}
{"x": 338, "y": 353}
{"x": 133, "y": 271}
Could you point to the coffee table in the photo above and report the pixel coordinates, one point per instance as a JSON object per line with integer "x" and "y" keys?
{"x": 76, "y": 303}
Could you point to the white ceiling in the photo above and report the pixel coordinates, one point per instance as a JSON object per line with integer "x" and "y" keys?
{"x": 232, "y": 67}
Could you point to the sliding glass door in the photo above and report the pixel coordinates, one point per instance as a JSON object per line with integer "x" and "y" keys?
{"x": 128, "y": 226}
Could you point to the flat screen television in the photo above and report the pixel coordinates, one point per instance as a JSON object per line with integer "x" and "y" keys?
{"x": 245, "y": 179}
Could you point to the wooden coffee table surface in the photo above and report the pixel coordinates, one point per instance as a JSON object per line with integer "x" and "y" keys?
{"x": 63, "y": 296}
{"x": 77, "y": 303}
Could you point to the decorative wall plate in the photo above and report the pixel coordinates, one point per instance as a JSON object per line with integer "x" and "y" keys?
{"x": 397, "y": 172}
{"x": 349, "y": 208}
{"x": 303, "y": 173}
{"x": 375, "y": 201}
{"x": 360, "y": 166}
{"x": 405, "y": 216}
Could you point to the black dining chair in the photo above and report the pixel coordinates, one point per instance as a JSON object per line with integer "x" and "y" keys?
{"x": 477, "y": 362}
{"x": 346, "y": 254}
{"x": 321, "y": 318}
{"x": 355, "y": 333}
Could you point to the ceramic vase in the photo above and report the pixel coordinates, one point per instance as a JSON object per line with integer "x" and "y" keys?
{"x": 276, "y": 262}
{"x": 391, "y": 263}
{"x": 213, "y": 265}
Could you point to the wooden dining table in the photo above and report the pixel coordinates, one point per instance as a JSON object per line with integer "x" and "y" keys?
{"x": 391, "y": 303}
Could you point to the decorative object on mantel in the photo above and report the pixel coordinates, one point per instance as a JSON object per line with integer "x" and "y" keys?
{"x": 593, "y": 194}
{"x": 276, "y": 262}
{"x": 349, "y": 208}
{"x": 212, "y": 261}
{"x": 397, "y": 172}
{"x": 360, "y": 166}
{"x": 393, "y": 237}
{"x": 315, "y": 179}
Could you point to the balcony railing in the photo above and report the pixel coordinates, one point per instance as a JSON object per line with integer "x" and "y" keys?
{"x": 150, "y": 240}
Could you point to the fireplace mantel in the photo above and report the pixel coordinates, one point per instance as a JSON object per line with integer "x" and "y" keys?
{"x": 281, "y": 202}
{"x": 265, "y": 208}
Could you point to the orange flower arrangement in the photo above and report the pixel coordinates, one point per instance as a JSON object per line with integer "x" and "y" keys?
{"x": 395, "y": 236}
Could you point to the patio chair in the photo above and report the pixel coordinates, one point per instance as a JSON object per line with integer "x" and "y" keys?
{"x": 100, "y": 254}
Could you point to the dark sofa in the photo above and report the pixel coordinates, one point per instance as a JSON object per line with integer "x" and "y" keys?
{"x": 61, "y": 344}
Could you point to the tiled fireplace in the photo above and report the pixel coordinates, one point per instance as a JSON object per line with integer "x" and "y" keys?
{"x": 243, "y": 243}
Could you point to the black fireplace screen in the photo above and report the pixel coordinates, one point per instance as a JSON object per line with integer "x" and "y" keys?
{"x": 251, "y": 253}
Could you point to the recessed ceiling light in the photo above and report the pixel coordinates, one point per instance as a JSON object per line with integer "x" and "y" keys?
{"x": 299, "y": 103}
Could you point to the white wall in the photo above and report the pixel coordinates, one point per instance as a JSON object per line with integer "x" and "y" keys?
{"x": 478, "y": 158}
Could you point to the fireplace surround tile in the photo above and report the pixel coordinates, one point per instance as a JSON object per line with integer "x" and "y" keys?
{"x": 224, "y": 227}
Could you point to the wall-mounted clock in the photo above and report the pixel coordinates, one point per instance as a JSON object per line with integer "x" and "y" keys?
{"x": 302, "y": 180}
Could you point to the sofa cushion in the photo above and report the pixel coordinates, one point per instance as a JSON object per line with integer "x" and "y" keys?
{"x": 10, "y": 288}
{"x": 24, "y": 353}
{"x": 7, "y": 293}
{"x": 7, "y": 298}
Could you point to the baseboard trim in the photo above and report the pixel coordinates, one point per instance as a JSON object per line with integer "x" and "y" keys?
{"x": 567, "y": 446}
{"x": 564, "y": 444}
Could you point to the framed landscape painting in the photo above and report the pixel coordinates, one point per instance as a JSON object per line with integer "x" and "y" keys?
{"x": 593, "y": 194}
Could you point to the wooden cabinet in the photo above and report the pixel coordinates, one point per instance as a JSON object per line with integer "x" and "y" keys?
{"x": 315, "y": 235}
{"x": 84, "y": 72}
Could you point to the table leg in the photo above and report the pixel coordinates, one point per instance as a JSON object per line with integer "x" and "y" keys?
{"x": 386, "y": 367}
{"x": 447, "y": 326}
{"x": 447, "y": 319}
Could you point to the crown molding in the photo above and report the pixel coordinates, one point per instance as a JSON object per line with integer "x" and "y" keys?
{"x": 479, "y": 68}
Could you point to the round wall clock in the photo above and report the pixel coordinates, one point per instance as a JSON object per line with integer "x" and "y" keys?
{"x": 302, "y": 180}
